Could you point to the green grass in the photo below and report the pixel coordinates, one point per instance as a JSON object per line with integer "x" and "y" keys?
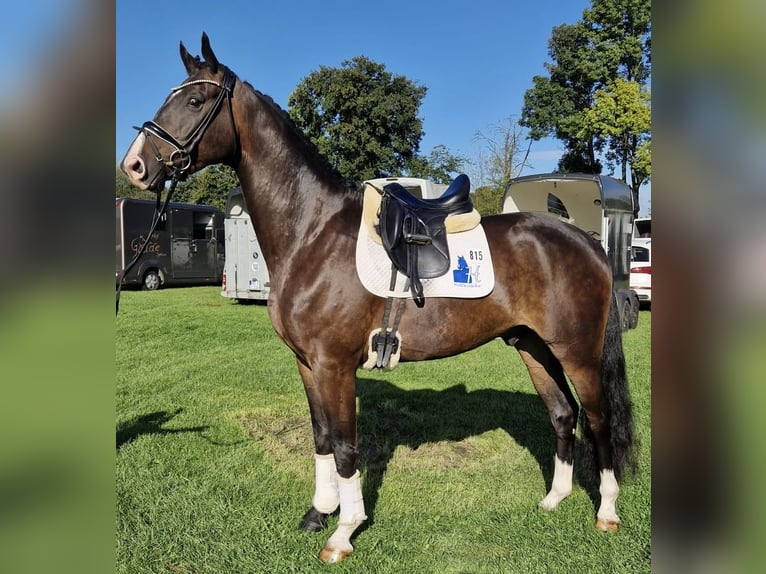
{"x": 215, "y": 469}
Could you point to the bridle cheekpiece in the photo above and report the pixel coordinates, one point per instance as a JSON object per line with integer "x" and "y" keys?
{"x": 178, "y": 164}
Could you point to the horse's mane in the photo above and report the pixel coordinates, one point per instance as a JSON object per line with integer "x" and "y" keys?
{"x": 311, "y": 153}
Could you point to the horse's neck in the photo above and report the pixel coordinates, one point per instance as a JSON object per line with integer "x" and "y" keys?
{"x": 289, "y": 197}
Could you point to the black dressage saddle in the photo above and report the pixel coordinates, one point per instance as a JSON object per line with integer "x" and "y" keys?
{"x": 413, "y": 231}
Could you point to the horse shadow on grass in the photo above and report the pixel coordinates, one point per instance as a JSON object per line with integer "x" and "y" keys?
{"x": 151, "y": 423}
{"x": 390, "y": 417}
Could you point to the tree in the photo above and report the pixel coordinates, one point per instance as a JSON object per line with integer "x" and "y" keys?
{"x": 363, "y": 119}
{"x": 553, "y": 107}
{"x": 502, "y": 157}
{"x": 504, "y": 153}
{"x": 620, "y": 32}
{"x": 208, "y": 187}
{"x": 440, "y": 165}
{"x": 621, "y": 112}
{"x": 597, "y": 66}
{"x": 487, "y": 200}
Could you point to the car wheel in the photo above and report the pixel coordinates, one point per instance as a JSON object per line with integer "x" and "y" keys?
{"x": 625, "y": 315}
{"x": 634, "y": 312}
{"x": 152, "y": 281}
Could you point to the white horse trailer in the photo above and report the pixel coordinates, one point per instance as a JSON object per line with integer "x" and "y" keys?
{"x": 245, "y": 276}
{"x": 600, "y": 205}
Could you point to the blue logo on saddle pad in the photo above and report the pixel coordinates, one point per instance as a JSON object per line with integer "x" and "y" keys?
{"x": 463, "y": 275}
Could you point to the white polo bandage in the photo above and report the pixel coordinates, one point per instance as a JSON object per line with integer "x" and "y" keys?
{"x": 326, "y": 497}
{"x": 609, "y": 489}
{"x": 351, "y": 500}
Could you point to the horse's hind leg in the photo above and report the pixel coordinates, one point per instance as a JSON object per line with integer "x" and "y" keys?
{"x": 586, "y": 380}
{"x": 550, "y": 383}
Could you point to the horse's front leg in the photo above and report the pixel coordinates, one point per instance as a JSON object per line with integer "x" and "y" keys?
{"x": 326, "y": 498}
{"x": 332, "y": 402}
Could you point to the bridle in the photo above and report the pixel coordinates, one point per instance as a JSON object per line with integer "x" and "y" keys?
{"x": 177, "y": 165}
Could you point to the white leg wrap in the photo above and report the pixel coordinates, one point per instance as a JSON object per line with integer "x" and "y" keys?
{"x": 561, "y": 487}
{"x": 351, "y": 501}
{"x": 326, "y": 498}
{"x": 351, "y": 516}
{"x": 609, "y": 491}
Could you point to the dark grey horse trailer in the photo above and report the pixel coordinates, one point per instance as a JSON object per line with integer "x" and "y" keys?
{"x": 186, "y": 248}
{"x": 600, "y": 205}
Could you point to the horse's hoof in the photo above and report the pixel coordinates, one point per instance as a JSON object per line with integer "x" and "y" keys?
{"x": 551, "y": 502}
{"x": 607, "y": 524}
{"x": 313, "y": 521}
{"x": 333, "y": 555}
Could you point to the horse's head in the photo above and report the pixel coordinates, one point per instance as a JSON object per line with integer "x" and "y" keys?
{"x": 191, "y": 130}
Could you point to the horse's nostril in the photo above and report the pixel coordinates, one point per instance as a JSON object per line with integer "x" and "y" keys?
{"x": 137, "y": 167}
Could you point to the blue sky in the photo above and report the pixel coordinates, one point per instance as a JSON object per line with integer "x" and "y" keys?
{"x": 476, "y": 58}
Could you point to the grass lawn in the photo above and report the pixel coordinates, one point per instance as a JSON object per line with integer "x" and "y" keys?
{"x": 215, "y": 469}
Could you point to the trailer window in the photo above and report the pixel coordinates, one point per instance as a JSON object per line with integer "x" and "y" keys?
{"x": 557, "y": 207}
{"x": 203, "y": 226}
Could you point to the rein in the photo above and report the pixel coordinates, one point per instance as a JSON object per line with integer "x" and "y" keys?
{"x": 158, "y": 213}
{"x": 179, "y": 162}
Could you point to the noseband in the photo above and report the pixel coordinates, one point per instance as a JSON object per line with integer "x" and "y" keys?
{"x": 179, "y": 162}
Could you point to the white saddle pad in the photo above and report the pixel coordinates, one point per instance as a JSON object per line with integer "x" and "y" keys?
{"x": 470, "y": 275}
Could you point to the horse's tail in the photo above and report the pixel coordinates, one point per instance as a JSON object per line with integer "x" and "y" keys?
{"x": 616, "y": 401}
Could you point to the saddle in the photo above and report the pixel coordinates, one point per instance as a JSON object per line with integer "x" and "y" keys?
{"x": 413, "y": 231}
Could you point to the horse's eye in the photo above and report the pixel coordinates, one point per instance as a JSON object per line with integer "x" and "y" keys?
{"x": 194, "y": 102}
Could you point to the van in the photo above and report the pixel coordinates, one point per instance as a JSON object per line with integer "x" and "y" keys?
{"x": 186, "y": 248}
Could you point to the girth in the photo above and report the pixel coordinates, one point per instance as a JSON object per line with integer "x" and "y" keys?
{"x": 413, "y": 231}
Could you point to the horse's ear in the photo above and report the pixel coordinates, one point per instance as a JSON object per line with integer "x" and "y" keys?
{"x": 207, "y": 53}
{"x": 191, "y": 63}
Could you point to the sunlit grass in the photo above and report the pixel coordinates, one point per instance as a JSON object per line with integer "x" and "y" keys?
{"x": 214, "y": 465}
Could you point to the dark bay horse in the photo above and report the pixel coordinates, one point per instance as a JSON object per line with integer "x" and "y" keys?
{"x": 552, "y": 298}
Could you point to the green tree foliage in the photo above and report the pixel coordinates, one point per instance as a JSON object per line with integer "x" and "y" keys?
{"x": 553, "y": 107}
{"x": 604, "y": 57}
{"x": 621, "y": 113}
{"x": 209, "y": 187}
{"x": 439, "y": 166}
{"x": 487, "y": 200}
{"x": 364, "y": 121}
{"x": 620, "y": 33}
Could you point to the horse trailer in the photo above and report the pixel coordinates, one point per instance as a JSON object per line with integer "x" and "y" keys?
{"x": 245, "y": 276}
{"x": 186, "y": 248}
{"x": 600, "y": 205}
